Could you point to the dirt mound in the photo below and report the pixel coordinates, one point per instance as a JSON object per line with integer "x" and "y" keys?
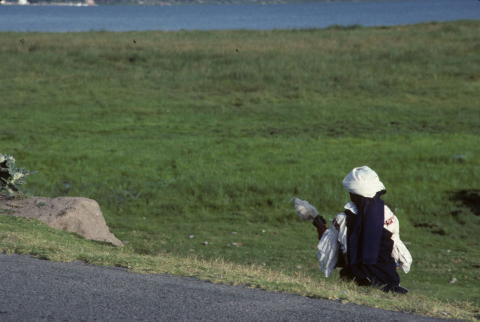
{"x": 76, "y": 214}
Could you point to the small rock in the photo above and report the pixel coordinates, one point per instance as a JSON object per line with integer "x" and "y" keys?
{"x": 263, "y": 231}
{"x": 234, "y": 232}
{"x": 192, "y": 250}
{"x": 144, "y": 218}
{"x": 228, "y": 245}
{"x": 134, "y": 231}
{"x": 453, "y": 280}
{"x": 299, "y": 266}
{"x": 448, "y": 250}
{"x": 74, "y": 214}
{"x": 263, "y": 264}
{"x": 191, "y": 236}
{"x": 205, "y": 243}
{"x": 407, "y": 243}
{"x": 234, "y": 244}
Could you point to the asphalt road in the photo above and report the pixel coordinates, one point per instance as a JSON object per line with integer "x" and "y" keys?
{"x": 39, "y": 290}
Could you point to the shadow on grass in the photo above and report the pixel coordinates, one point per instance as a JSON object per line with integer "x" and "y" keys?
{"x": 469, "y": 199}
{"x": 466, "y": 203}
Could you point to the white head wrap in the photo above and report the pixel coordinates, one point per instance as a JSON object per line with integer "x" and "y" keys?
{"x": 363, "y": 181}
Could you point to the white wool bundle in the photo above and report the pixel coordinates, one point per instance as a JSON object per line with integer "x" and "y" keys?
{"x": 305, "y": 211}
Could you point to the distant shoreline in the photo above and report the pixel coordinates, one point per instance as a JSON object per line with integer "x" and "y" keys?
{"x": 87, "y": 3}
{"x": 46, "y": 4}
{"x": 91, "y": 3}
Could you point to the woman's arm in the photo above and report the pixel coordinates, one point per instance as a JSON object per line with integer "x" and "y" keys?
{"x": 320, "y": 225}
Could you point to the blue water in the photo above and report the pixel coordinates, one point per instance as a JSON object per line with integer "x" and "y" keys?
{"x": 208, "y": 17}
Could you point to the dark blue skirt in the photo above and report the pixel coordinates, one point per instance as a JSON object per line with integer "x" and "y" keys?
{"x": 383, "y": 273}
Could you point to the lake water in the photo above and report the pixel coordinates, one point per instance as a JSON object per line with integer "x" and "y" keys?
{"x": 209, "y": 17}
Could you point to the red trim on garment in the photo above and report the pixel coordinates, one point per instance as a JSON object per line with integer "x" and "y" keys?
{"x": 390, "y": 221}
{"x": 336, "y": 224}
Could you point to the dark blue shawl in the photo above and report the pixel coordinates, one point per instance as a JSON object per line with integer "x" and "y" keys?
{"x": 365, "y": 231}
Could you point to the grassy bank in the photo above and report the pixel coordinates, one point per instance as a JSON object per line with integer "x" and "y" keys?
{"x": 29, "y": 236}
{"x": 209, "y": 133}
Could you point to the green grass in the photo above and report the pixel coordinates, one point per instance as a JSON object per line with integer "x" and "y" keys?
{"x": 179, "y": 134}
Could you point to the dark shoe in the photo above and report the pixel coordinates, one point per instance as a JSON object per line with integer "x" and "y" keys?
{"x": 399, "y": 290}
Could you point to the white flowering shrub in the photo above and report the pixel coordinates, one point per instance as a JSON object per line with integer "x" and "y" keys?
{"x": 10, "y": 175}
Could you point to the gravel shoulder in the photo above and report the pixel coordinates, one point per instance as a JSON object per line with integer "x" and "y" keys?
{"x": 39, "y": 290}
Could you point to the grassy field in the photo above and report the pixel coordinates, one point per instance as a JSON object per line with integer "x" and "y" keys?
{"x": 209, "y": 133}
